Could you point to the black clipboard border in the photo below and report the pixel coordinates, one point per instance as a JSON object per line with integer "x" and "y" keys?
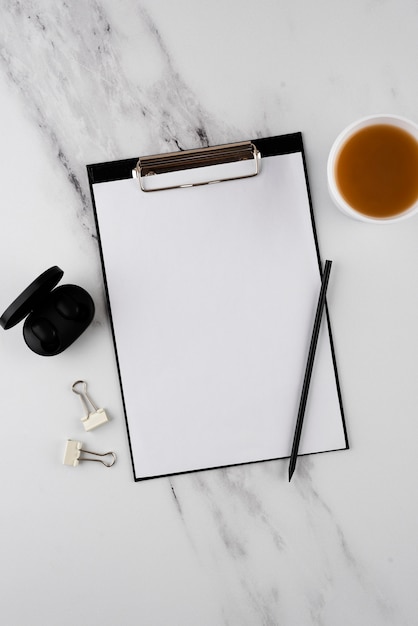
{"x": 122, "y": 170}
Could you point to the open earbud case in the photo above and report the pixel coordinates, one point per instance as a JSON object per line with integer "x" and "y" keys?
{"x": 55, "y": 317}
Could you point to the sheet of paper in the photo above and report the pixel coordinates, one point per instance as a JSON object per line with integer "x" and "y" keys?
{"x": 213, "y": 292}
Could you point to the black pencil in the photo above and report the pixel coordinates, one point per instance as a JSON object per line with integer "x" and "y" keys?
{"x": 309, "y": 367}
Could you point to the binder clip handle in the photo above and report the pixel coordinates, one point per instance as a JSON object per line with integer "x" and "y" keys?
{"x": 107, "y": 464}
{"x": 94, "y": 416}
{"x": 85, "y": 399}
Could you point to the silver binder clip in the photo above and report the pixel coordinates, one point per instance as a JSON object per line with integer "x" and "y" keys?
{"x": 73, "y": 451}
{"x": 95, "y": 417}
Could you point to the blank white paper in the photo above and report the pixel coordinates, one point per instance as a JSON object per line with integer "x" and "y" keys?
{"x": 213, "y": 292}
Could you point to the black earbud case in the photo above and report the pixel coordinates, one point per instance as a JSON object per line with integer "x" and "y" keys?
{"x": 55, "y": 318}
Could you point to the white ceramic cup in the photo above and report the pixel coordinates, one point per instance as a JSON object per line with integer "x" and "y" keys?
{"x": 347, "y": 209}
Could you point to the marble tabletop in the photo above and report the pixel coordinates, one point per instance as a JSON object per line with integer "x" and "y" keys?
{"x": 86, "y": 82}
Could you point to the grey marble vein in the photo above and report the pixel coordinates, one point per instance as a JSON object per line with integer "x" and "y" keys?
{"x": 70, "y": 74}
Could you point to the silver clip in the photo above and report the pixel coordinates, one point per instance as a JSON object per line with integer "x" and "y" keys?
{"x": 95, "y": 417}
{"x": 73, "y": 451}
{"x": 245, "y": 153}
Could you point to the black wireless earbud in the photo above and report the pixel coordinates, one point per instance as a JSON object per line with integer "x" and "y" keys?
{"x": 46, "y": 333}
{"x": 68, "y": 307}
{"x": 69, "y": 302}
{"x": 44, "y": 330}
{"x": 55, "y": 318}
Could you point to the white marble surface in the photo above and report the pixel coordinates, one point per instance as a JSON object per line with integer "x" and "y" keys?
{"x": 85, "y": 82}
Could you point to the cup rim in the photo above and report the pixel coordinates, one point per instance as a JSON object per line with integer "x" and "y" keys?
{"x": 369, "y": 120}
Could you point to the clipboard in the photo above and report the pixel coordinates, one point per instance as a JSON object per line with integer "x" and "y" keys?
{"x": 211, "y": 292}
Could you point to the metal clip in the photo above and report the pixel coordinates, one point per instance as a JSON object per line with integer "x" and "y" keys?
{"x": 245, "y": 153}
{"x": 73, "y": 451}
{"x": 95, "y": 417}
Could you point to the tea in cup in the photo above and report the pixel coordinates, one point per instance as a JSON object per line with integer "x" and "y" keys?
{"x": 373, "y": 169}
